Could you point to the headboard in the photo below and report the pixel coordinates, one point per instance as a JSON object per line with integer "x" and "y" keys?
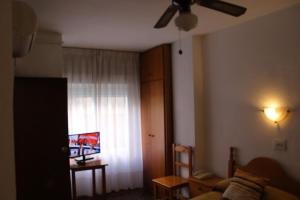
{"x": 268, "y": 168}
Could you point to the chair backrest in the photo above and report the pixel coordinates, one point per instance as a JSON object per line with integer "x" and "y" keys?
{"x": 178, "y": 154}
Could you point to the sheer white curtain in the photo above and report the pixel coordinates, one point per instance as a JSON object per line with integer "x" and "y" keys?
{"x": 103, "y": 95}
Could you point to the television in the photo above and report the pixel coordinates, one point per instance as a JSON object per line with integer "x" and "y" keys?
{"x": 83, "y": 144}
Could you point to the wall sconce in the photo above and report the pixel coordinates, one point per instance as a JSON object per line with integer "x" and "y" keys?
{"x": 276, "y": 114}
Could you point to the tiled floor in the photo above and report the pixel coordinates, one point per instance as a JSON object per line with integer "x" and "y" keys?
{"x": 137, "y": 194}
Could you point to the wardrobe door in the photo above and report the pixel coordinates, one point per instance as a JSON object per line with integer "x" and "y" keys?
{"x": 152, "y": 65}
{"x": 152, "y": 103}
{"x": 157, "y": 129}
{"x": 146, "y": 133}
{"x": 156, "y": 110}
{"x": 41, "y": 139}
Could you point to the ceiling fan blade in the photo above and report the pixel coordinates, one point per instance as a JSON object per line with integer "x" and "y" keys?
{"x": 166, "y": 17}
{"x": 223, "y": 6}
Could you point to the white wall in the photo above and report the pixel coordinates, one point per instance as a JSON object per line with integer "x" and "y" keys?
{"x": 7, "y": 167}
{"x": 198, "y": 77}
{"x": 248, "y": 67}
{"x": 183, "y": 93}
{"x": 45, "y": 59}
{"x": 187, "y": 78}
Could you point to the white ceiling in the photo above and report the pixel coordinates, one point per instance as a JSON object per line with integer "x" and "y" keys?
{"x": 128, "y": 24}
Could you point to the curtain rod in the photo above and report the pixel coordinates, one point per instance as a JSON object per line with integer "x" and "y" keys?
{"x": 101, "y": 49}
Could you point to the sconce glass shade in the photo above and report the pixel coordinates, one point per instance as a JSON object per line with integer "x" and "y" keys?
{"x": 275, "y": 114}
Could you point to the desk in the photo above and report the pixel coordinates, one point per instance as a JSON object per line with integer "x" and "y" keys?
{"x": 89, "y": 165}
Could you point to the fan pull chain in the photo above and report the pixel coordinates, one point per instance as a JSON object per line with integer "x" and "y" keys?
{"x": 179, "y": 36}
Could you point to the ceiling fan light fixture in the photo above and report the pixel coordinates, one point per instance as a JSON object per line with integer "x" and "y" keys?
{"x": 186, "y": 21}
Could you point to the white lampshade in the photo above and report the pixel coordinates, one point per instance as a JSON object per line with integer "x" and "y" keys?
{"x": 186, "y": 21}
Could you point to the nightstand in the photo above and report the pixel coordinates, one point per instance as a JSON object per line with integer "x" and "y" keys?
{"x": 201, "y": 186}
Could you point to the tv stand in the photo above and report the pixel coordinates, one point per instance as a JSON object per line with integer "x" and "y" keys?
{"x": 83, "y": 159}
{"x": 93, "y": 166}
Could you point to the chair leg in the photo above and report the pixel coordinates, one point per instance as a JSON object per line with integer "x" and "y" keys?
{"x": 155, "y": 191}
{"x": 170, "y": 194}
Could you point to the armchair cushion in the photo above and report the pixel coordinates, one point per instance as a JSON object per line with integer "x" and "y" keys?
{"x": 245, "y": 186}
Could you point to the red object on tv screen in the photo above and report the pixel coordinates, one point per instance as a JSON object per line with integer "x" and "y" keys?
{"x": 84, "y": 144}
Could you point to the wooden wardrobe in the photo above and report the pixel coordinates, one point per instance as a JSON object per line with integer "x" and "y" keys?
{"x": 156, "y": 111}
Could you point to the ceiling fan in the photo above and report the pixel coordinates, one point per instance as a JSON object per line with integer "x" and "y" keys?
{"x": 187, "y": 20}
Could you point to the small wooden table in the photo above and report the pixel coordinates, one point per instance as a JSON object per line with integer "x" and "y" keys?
{"x": 89, "y": 165}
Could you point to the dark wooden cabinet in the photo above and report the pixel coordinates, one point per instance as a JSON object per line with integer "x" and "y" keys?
{"x": 41, "y": 139}
{"x": 156, "y": 110}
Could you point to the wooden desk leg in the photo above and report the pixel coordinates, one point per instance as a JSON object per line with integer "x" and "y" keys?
{"x": 94, "y": 182}
{"x": 103, "y": 182}
{"x": 74, "y": 185}
{"x": 154, "y": 191}
{"x": 170, "y": 194}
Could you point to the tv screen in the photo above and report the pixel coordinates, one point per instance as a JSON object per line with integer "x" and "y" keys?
{"x": 84, "y": 144}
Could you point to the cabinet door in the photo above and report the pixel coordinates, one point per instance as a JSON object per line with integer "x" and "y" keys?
{"x": 156, "y": 109}
{"x": 157, "y": 128}
{"x": 152, "y": 66}
{"x": 41, "y": 140}
{"x": 152, "y": 103}
{"x": 146, "y": 134}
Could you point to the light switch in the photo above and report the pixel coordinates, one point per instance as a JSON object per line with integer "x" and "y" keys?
{"x": 279, "y": 144}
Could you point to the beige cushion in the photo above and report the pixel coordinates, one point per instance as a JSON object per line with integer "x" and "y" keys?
{"x": 245, "y": 186}
{"x": 272, "y": 193}
{"x": 221, "y": 186}
{"x": 209, "y": 196}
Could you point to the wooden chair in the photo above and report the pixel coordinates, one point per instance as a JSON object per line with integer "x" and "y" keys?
{"x": 174, "y": 182}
